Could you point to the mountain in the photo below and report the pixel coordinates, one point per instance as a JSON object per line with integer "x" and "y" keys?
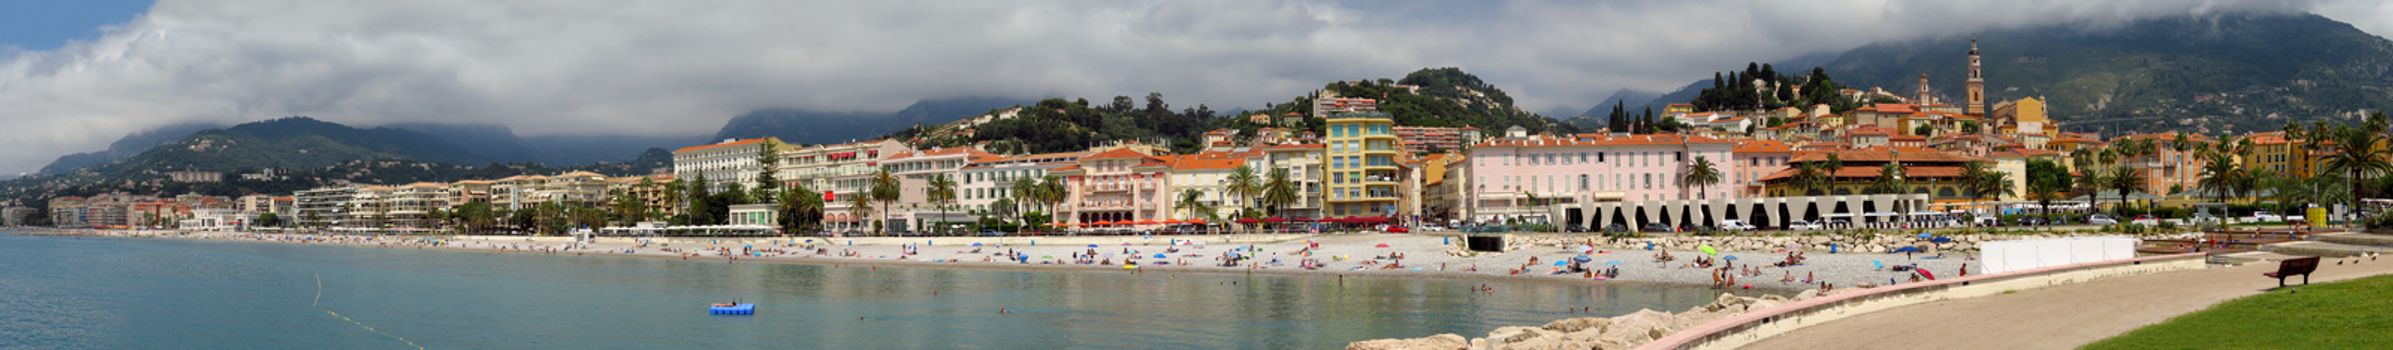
{"x": 2216, "y": 73}
{"x": 1447, "y": 96}
{"x": 813, "y": 127}
{"x": 501, "y": 144}
{"x": 127, "y": 147}
{"x": 1636, "y": 101}
{"x": 297, "y": 143}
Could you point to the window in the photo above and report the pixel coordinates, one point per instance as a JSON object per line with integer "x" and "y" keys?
{"x": 1582, "y": 182}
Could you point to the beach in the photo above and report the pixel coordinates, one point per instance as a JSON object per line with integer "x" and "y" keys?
{"x": 1583, "y": 259}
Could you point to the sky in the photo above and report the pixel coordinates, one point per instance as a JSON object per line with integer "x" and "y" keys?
{"x": 76, "y": 75}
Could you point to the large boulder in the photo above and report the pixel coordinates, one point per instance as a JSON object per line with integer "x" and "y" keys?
{"x": 1437, "y": 342}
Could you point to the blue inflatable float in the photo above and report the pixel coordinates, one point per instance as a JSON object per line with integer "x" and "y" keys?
{"x": 733, "y": 309}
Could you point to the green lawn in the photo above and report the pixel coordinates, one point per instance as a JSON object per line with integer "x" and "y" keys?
{"x": 2356, "y": 314}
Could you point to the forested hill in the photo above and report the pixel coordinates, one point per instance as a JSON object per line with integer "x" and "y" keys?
{"x": 1443, "y": 97}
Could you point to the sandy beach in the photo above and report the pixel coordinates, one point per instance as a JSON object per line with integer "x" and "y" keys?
{"x": 1414, "y": 255}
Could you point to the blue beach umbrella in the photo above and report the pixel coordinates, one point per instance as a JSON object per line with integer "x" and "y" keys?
{"x": 1613, "y": 262}
{"x": 1878, "y": 264}
{"x": 1092, "y": 245}
{"x": 1159, "y": 256}
{"x": 1907, "y": 249}
{"x": 1582, "y": 258}
{"x": 1731, "y": 258}
{"x": 1942, "y": 239}
{"x": 1561, "y": 263}
{"x": 1923, "y": 235}
{"x": 976, "y": 244}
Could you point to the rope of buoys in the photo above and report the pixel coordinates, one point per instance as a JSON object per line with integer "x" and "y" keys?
{"x": 318, "y": 303}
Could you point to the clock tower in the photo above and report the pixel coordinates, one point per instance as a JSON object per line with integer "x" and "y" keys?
{"x": 1977, "y": 83}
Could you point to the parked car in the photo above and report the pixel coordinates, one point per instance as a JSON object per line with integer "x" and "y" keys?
{"x": 1985, "y": 221}
{"x": 1800, "y": 225}
{"x": 1616, "y": 228}
{"x": 1735, "y": 225}
{"x": 2264, "y": 216}
{"x": 1655, "y": 227}
{"x": 1396, "y": 229}
{"x": 2099, "y": 219}
{"x": 2146, "y": 219}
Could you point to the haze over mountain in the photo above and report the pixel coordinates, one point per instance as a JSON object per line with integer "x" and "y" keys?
{"x": 816, "y": 127}
{"x": 2226, "y": 72}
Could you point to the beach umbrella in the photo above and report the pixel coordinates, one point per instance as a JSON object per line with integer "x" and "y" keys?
{"x": 1942, "y": 239}
{"x": 976, "y": 244}
{"x": 1382, "y": 245}
{"x": 1708, "y": 250}
{"x": 1613, "y": 262}
{"x": 1582, "y": 258}
{"x": 1092, "y": 245}
{"x": 1159, "y": 256}
{"x": 1907, "y": 249}
{"x": 1878, "y": 264}
{"x": 1924, "y": 273}
{"x": 1730, "y": 258}
{"x": 1561, "y": 263}
{"x": 1923, "y": 235}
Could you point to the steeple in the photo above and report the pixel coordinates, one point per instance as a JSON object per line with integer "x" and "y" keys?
{"x": 1921, "y": 98}
{"x": 1977, "y": 83}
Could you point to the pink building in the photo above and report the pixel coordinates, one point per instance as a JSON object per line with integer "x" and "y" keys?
{"x": 1755, "y": 159}
{"x": 1521, "y": 177}
{"x": 1120, "y": 189}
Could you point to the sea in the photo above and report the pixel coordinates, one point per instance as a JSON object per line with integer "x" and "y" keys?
{"x": 130, "y": 293}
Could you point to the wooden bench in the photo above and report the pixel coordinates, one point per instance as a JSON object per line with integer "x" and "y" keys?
{"x": 2290, "y": 267}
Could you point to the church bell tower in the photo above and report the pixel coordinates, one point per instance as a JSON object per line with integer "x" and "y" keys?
{"x": 1977, "y": 83}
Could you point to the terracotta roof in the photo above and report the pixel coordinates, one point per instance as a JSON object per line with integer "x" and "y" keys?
{"x": 1884, "y": 154}
{"x": 1202, "y": 163}
{"x": 1761, "y": 146}
{"x": 1915, "y": 138}
{"x": 1872, "y": 172}
{"x": 1890, "y": 108}
{"x": 720, "y": 145}
{"x": 1117, "y": 153}
{"x": 1592, "y": 139}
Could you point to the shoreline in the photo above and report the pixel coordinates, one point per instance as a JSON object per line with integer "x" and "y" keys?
{"x": 839, "y": 262}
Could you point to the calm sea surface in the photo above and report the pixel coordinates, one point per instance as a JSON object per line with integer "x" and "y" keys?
{"x": 103, "y": 293}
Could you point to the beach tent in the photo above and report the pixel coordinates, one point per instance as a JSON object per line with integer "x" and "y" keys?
{"x": 1708, "y": 250}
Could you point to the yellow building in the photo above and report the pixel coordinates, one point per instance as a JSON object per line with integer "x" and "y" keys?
{"x": 1363, "y": 174}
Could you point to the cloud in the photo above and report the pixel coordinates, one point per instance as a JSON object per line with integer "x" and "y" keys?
{"x": 681, "y": 67}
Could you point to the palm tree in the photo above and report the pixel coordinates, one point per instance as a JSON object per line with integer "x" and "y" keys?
{"x": 942, "y": 194}
{"x": 861, "y": 205}
{"x": 2090, "y": 180}
{"x": 2219, "y": 177}
{"x": 2124, "y": 180}
{"x": 1890, "y": 180}
{"x": 1051, "y": 192}
{"x": 1974, "y": 180}
{"x": 1243, "y": 183}
{"x": 2043, "y": 191}
{"x": 884, "y": 189}
{"x": 1809, "y": 179}
{"x": 1699, "y": 175}
{"x": 1279, "y": 190}
{"x": 2355, "y": 154}
{"x": 1192, "y": 200}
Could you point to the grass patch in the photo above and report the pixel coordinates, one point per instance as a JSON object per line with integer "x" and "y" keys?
{"x": 2355, "y": 314}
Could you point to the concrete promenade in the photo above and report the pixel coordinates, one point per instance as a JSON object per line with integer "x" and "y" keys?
{"x": 2059, "y": 317}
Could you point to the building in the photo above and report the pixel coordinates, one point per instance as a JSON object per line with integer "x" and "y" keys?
{"x": 1326, "y": 103}
{"x": 1516, "y": 178}
{"x": 1427, "y": 139}
{"x": 1363, "y": 170}
{"x": 216, "y": 219}
{"x": 722, "y": 164}
{"x": 469, "y": 191}
{"x": 1919, "y": 171}
{"x": 1754, "y": 159}
{"x": 1441, "y": 177}
{"x": 838, "y": 171}
{"x": 369, "y": 208}
{"x": 914, "y": 210}
{"x": 985, "y": 181}
{"x": 413, "y": 206}
{"x": 1120, "y": 189}
{"x": 195, "y": 176}
{"x": 1208, "y": 175}
{"x": 1976, "y": 99}
{"x": 651, "y": 192}
{"x": 754, "y": 215}
{"x": 18, "y": 216}
{"x": 2167, "y": 170}
{"x": 324, "y": 206}
{"x": 1305, "y": 166}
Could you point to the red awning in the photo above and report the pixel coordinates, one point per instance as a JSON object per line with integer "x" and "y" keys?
{"x": 1249, "y": 220}
{"x": 1275, "y": 220}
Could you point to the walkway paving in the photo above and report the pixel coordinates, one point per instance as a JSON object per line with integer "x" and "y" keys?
{"x": 2060, "y": 317}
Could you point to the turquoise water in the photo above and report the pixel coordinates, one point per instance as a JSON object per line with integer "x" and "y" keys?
{"x": 103, "y": 293}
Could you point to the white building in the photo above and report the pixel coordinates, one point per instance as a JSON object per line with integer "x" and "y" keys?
{"x": 984, "y": 182}
{"x": 723, "y": 163}
{"x": 913, "y": 209}
{"x": 839, "y": 172}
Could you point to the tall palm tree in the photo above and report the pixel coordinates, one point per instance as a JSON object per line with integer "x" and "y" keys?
{"x": 1245, "y": 185}
{"x": 1027, "y": 189}
{"x": 1699, "y": 175}
{"x": 2355, "y": 154}
{"x": 861, "y": 205}
{"x": 1191, "y": 200}
{"x": 941, "y": 192}
{"x": 1889, "y": 181}
{"x": 1809, "y": 179}
{"x": 1973, "y": 175}
{"x": 2044, "y": 191}
{"x": 2219, "y": 177}
{"x": 1051, "y": 192}
{"x": 2090, "y": 180}
{"x": 1279, "y": 190}
{"x": 884, "y": 189}
{"x": 2124, "y": 180}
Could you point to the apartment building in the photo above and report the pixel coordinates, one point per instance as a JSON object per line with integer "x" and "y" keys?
{"x": 838, "y": 171}
{"x": 324, "y": 206}
{"x": 412, "y": 206}
{"x": 1363, "y": 170}
{"x": 1516, "y": 178}
{"x": 1117, "y": 189}
{"x": 914, "y": 170}
{"x": 984, "y": 182}
{"x": 724, "y": 163}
